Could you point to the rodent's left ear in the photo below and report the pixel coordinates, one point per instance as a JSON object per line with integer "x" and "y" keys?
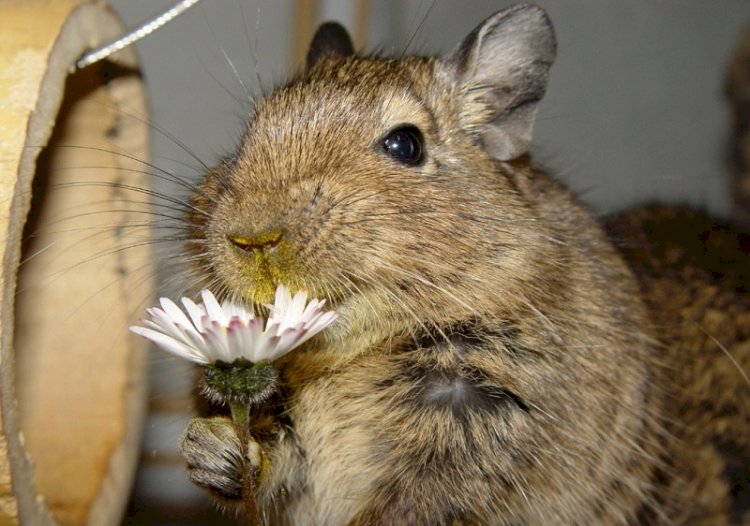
{"x": 502, "y": 69}
{"x": 330, "y": 40}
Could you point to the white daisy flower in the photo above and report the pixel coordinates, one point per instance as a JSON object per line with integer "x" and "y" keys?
{"x": 210, "y": 332}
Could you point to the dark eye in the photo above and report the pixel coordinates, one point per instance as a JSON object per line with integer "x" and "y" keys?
{"x": 404, "y": 144}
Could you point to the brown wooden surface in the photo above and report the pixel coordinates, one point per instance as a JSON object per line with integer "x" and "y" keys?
{"x": 73, "y": 380}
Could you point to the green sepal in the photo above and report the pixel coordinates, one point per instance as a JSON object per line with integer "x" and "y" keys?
{"x": 240, "y": 381}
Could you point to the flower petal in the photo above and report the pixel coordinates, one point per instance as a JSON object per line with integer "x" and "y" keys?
{"x": 313, "y": 309}
{"x": 212, "y": 332}
{"x": 174, "y": 312}
{"x": 169, "y": 344}
{"x": 254, "y": 340}
{"x": 287, "y": 340}
{"x": 296, "y": 309}
{"x": 164, "y": 322}
{"x": 196, "y": 312}
{"x": 215, "y": 348}
{"x": 282, "y": 298}
{"x": 321, "y": 322}
{"x": 213, "y": 309}
{"x": 232, "y": 310}
{"x": 265, "y": 342}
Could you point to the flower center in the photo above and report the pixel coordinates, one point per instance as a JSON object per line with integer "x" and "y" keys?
{"x": 239, "y": 381}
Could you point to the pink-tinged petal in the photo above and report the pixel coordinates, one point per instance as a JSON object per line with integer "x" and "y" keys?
{"x": 196, "y": 313}
{"x": 160, "y": 317}
{"x": 275, "y": 315}
{"x": 191, "y": 335}
{"x": 272, "y": 328}
{"x": 174, "y": 312}
{"x": 221, "y": 342}
{"x": 172, "y": 331}
{"x": 288, "y": 340}
{"x": 268, "y": 347}
{"x": 235, "y": 309}
{"x": 195, "y": 339}
{"x": 283, "y": 308}
{"x": 282, "y": 298}
{"x": 322, "y": 322}
{"x": 255, "y": 326}
{"x": 313, "y": 309}
{"x": 296, "y": 309}
{"x": 163, "y": 322}
{"x": 217, "y": 347}
{"x": 237, "y": 337}
{"x": 265, "y": 345}
{"x": 213, "y": 309}
{"x": 249, "y": 341}
{"x": 306, "y": 336}
{"x": 169, "y": 344}
{"x": 211, "y": 332}
{"x": 254, "y": 339}
{"x": 187, "y": 335}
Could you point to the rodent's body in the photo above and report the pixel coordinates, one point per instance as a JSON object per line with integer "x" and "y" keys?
{"x": 496, "y": 360}
{"x": 694, "y": 277}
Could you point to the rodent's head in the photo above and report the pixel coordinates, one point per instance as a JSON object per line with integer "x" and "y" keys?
{"x": 384, "y": 185}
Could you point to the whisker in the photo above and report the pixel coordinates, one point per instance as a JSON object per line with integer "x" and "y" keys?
{"x": 99, "y": 255}
{"x": 137, "y": 190}
{"x": 160, "y": 130}
{"x": 157, "y": 173}
{"x": 418, "y": 29}
{"x": 726, "y": 352}
{"x": 229, "y": 62}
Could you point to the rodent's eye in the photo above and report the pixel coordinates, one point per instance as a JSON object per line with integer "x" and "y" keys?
{"x": 404, "y": 144}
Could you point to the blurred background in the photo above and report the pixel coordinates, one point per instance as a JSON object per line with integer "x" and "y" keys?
{"x": 635, "y": 112}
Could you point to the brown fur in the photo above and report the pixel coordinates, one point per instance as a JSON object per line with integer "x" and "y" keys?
{"x": 496, "y": 360}
{"x": 695, "y": 277}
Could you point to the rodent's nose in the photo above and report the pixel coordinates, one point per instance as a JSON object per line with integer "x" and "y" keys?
{"x": 263, "y": 241}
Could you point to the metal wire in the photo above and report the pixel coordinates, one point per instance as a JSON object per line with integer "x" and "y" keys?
{"x": 144, "y": 30}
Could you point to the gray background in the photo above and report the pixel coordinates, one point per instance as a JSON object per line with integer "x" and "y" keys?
{"x": 635, "y": 110}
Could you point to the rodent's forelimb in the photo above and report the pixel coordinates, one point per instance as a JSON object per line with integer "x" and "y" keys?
{"x": 213, "y": 454}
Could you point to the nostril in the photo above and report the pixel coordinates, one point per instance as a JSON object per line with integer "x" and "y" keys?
{"x": 265, "y": 240}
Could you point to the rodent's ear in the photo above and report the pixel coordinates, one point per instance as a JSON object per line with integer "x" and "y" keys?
{"x": 502, "y": 69}
{"x": 330, "y": 40}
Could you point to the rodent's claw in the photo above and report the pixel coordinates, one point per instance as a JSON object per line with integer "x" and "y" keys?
{"x": 214, "y": 458}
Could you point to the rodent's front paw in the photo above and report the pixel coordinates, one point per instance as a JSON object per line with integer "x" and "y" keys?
{"x": 214, "y": 456}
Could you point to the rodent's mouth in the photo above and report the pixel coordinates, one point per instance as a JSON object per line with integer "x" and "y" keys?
{"x": 254, "y": 275}
{"x": 259, "y": 295}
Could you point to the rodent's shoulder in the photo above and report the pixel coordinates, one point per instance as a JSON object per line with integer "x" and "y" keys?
{"x": 693, "y": 274}
{"x": 682, "y": 239}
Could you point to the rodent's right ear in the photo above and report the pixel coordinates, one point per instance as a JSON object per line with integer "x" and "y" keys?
{"x": 330, "y": 40}
{"x": 502, "y": 69}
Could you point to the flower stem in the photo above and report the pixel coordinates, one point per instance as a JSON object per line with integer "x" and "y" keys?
{"x": 241, "y": 419}
{"x": 240, "y": 413}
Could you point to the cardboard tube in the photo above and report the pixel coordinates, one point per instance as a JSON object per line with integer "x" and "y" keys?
{"x": 73, "y": 381}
